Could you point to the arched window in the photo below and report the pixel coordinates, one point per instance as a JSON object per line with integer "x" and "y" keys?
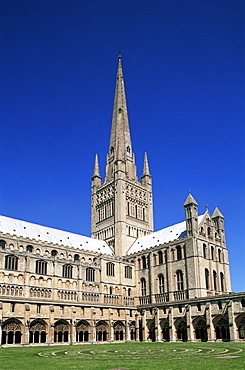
{"x": 11, "y": 262}
{"x": 179, "y": 252}
{"x": 90, "y": 274}
{"x": 209, "y": 231}
{"x": 2, "y": 244}
{"x": 41, "y": 267}
{"x": 67, "y": 271}
{"x": 139, "y": 263}
{"x": 160, "y": 257}
{"x": 215, "y": 279}
{"x": 110, "y": 290}
{"x": 112, "y": 150}
{"x": 212, "y": 253}
{"x": 219, "y": 255}
{"x": 29, "y": 248}
{"x": 143, "y": 262}
{"x": 110, "y": 269}
{"x": 76, "y": 257}
{"x": 222, "y": 282}
{"x": 241, "y": 329}
{"x": 204, "y": 251}
{"x": 161, "y": 283}
{"x": 180, "y": 281}
{"x": 207, "y": 278}
{"x": 128, "y": 149}
{"x": 129, "y": 292}
{"x": 53, "y": 253}
{"x": 128, "y": 272}
{"x": 143, "y": 287}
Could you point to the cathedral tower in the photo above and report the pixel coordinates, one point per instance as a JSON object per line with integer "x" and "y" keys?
{"x": 121, "y": 205}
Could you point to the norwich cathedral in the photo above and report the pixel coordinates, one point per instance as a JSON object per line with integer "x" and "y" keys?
{"x": 126, "y": 282}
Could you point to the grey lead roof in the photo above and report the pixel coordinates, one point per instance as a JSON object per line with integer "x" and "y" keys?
{"x": 46, "y": 234}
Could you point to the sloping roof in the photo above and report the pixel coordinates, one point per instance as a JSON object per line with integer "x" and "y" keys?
{"x": 46, "y": 234}
{"x": 166, "y": 235}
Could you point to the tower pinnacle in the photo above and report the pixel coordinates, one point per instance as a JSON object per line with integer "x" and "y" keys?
{"x": 146, "y": 171}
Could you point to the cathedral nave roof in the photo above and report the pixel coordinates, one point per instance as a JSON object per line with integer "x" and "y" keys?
{"x": 46, "y": 234}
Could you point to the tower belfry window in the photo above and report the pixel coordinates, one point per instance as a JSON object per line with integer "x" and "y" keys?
{"x": 128, "y": 149}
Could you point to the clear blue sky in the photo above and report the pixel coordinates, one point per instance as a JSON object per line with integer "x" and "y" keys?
{"x": 183, "y": 64}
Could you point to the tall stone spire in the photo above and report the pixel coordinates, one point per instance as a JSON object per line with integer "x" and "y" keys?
{"x": 120, "y": 134}
{"x": 120, "y": 140}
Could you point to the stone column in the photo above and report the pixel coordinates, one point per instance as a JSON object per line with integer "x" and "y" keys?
{"x": 144, "y": 328}
{"x": 73, "y": 325}
{"x": 1, "y": 332}
{"x": 93, "y": 325}
{"x": 111, "y": 331}
{"x": 137, "y": 328}
{"x": 172, "y": 331}
{"x": 157, "y": 326}
{"x": 93, "y": 331}
{"x": 209, "y": 321}
{"x": 50, "y": 336}
{"x": 190, "y": 328}
{"x": 232, "y": 324}
{"x": 25, "y": 336}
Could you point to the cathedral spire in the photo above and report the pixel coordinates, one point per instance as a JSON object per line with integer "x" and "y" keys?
{"x": 120, "y": 133}
{"x": 120, "y": 157}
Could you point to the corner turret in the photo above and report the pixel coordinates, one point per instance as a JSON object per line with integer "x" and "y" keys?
{"x": 191, "y": 215}
{"x": 218, "y": 220}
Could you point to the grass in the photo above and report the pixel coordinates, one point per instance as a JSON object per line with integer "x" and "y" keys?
{"x": 132, "y": 356}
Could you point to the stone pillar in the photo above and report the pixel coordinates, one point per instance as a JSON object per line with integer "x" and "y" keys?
{"x": 111, "y": 331}
{"x": 232, "y": 324}
{"x": 93, "y": 331}
{"x": 50, "y": 336}
{"x": 137, "y": 328}
{"x": 25, "y": 336}
{"x": 93, "y": 325}
{"x": 144, "y": 327}
{"x": 190, "y": 328}
{"x": 73, "y": 324}
{"x": 172, "y": 331}
{"x": 1, "y": 321}
{"x": 1, "y": 332}
{"x": 127, "y": 332}
{"x": 157, "y": 326}
{"x": 209, "y": 321}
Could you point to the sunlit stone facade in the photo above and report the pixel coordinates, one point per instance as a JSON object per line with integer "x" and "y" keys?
{"x": 127, "y": 282}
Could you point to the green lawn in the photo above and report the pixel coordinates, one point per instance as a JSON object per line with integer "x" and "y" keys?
{"x": 133, "y": 356}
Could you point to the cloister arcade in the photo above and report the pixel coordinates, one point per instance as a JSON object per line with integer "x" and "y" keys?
{"x": 38, "y": 331}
